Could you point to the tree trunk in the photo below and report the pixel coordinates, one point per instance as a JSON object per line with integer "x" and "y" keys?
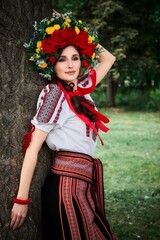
{"x": 111, "y": 92}
{"x": 20, "y": 87}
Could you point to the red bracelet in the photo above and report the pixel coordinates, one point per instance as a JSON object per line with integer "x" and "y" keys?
{"x": 20, "y": 201}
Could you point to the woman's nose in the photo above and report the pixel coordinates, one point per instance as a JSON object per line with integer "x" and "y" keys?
{"x": 70, "y": 63}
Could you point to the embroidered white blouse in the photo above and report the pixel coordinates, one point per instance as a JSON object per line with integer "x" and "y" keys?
{"x": 66, "y": 131}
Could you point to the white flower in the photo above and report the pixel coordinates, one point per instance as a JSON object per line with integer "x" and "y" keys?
{"x": 31, "y": 58}
{"x": 44, "y": 20}
{"x": 39, "y": 62}
{"x": 35, "y": 25}
{"x": 36, "y": 56}
{"x": 47, "y": 76}
{"x": 26, "y": 45}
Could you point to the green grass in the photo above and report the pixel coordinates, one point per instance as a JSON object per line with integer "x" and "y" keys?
{"x": 131, "y": 160}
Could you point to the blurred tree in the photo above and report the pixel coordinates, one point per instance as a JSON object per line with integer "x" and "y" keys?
{"x": 19, "y": 92}
{"x": 73, "y": 5}
{"x": 143, "y": 54}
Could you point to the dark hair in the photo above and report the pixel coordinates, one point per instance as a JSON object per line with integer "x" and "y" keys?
{"x": 77, "y": 102}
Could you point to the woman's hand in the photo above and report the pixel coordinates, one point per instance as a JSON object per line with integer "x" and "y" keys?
{"x": 18, "y": 215}
{"x": 58, "y": 14}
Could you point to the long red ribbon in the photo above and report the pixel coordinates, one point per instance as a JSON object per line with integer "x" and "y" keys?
{"x": 83, "y": 91}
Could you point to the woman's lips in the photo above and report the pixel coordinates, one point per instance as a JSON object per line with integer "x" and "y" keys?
{"x": 71, "y": 72}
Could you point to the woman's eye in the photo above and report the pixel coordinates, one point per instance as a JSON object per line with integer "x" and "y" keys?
{"x": 75, "y": 58}
{"x": 61, "y": 60}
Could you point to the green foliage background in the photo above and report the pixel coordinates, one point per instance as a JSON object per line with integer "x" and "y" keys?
{"x": 131, "y": 31}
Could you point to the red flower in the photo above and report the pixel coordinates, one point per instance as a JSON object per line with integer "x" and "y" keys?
{"x": 64, "y": 37}
{"x": 48, "y": 45}
{"x": 70, "y": 35}
{"x": 88, "y": 51}
{"x": 82, "y": 39}
{"x": 58, "y": 39}
{"x": 52, "y": 59}
{"x": 85, "y": 64}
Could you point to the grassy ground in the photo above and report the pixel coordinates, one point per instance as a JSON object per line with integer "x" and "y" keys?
{"x": 131, "y": 159}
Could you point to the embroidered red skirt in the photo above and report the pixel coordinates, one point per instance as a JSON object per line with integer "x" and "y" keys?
{"x": 73, "y": 200}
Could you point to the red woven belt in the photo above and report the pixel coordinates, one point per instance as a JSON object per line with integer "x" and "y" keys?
{"x": 84, "y": 167}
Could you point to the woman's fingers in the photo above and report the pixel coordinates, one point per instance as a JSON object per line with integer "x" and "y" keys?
{"x": 18, "y": 215}
{"x": 22, "y": 219}
{"x": 16, "y": 222}
{"x": 58, "y": 14}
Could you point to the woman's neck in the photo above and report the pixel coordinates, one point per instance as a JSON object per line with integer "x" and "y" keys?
{"x": 74, "y": 82}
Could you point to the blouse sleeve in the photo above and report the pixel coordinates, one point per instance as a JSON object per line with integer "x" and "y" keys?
{"x": 49, "y": 107}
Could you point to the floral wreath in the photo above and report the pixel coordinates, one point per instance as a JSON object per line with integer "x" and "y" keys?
{"x": 52, "y": 35}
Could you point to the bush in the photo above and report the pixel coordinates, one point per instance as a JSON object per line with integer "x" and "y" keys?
{"x": 136, "y": 99}
{"x": 154, "y": 102}
{"x": 100, "y": 96}
{"x": 129, "y": 98}
{"x": 132, "y": 99}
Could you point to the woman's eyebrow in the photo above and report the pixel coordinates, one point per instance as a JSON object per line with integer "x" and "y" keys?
{"x": 74, "y": 55}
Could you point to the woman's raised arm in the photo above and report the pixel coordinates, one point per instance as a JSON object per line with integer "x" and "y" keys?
{"x": 105, "y": 62}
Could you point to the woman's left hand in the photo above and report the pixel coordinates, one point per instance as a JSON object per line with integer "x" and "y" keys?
{"x": 18, "y": 215}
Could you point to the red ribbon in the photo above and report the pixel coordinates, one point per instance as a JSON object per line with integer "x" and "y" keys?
{"x": 27, "y": 137}
{"x": 83, "y": 91}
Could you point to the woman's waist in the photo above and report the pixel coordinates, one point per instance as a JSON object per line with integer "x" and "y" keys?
{"x": 85, "y": 145}
{"x": 74, "y": 164}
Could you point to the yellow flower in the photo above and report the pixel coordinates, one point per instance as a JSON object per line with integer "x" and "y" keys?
{"x": 80, "y": 21}
{"x": 77, "y": 30}
{"x": 48, "y": 22}
{"x": 39, "y": 44}
{"x": 50, "y": 30}
{"x": 93, "y": 56}
{"x": 43, "y": 65}
{"x": 66, "y": 24}
{"x": 38, "y": 50}
{"x": 68, "y": 20}
{"x": 91, "y": 39}
{"x": 56, "y": 26}
{"x": 85, "y": 29}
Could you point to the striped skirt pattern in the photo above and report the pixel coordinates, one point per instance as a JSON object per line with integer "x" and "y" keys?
{"x": 73, "y": 200}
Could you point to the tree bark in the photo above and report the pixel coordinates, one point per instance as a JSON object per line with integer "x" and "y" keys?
{"x": 20, "y": 87}
{"x": 111, "y": 92}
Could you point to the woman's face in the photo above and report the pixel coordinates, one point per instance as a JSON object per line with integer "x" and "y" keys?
{"x": 68, "y": 65}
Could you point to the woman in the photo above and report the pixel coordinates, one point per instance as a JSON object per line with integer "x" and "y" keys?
{"x": 67, "y": 119}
